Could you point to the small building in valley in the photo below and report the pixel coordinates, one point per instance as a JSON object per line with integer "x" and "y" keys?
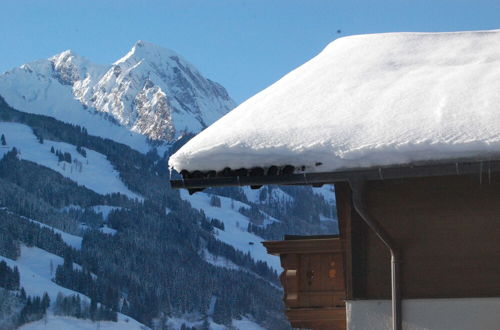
{"x": 406, "y": 126}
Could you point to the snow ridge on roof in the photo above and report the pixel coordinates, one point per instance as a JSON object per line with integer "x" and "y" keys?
{"x": 367, "y": 100}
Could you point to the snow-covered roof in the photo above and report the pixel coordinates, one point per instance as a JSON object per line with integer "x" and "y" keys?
{"x": 366, "y": 100}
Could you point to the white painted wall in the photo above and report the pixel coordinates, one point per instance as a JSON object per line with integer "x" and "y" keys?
{"x": 426, "y": 314}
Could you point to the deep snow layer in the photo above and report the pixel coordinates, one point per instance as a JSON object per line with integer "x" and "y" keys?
{"x": 367, "y": 100}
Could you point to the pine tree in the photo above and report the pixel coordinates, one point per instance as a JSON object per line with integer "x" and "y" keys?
{"x": 45, "y": 301}
{"x": 16, "y": 278}
{"x": 206, "y": 324}
{"x": 215, "y": 201}
{"x": 93, "y": 309}
{"x": 22, "y": 295}
{"x": 125, "y": 307}
{"x": 2, "y": 140}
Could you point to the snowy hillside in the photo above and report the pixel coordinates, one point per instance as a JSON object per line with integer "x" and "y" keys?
{"x": 92, "y": 170}
{"x": 150, "y": 93}
{"x": 54, "y": 322}
{"x": 159, "y": 256}
{"x": 71, "y": 240}
{"x": 37, "y": 267}
{"x": 235, "y": 232}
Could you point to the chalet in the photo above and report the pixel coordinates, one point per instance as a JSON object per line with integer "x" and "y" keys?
{"x": 406, "y": 126}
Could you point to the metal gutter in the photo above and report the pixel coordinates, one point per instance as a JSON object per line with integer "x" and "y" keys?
{"x": 478, "y": 167}
{"x": 358, "y": 188}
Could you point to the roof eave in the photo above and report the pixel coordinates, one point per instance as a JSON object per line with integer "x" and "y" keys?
{"x": 478, "y": 167}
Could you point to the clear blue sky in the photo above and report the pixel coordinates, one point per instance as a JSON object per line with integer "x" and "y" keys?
{"x": 243, "y": 44}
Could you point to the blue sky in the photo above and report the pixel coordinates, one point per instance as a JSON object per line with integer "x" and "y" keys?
{"x": 244, "y": 45}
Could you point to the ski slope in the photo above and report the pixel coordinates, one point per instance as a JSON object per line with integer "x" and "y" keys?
{"x": 93, "y": 171}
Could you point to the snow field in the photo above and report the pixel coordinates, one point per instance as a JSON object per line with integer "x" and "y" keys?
{"x": 37, "y": 267}
{"x": 235, "y": 224}
{"x": 220, "y": 261}
{"x": 72, "y": 240}
{"x": 55, "y": 322}
{"x": 94, "y": 171}
{"x": 107, "y": 230}
{"x": 35, "y": 273}
{"x": 196, "y": 320}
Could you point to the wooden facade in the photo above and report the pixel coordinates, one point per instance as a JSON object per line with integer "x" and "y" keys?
{"x": 447, "y": 229}
{"x": 313, "y": 280}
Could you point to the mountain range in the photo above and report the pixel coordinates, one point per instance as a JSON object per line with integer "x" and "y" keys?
{"x": 86, "y": 210}
{"x": 150, "y": 94}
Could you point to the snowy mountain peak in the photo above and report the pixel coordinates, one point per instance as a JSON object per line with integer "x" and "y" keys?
{"x": 64, "y": 55}
{"x": 151, "y": 91}
{"x": 146, "y": 51}
{"x": 69, "y": 67}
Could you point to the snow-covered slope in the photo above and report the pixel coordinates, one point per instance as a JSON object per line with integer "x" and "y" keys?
{"x": 150, "y": 93}
{"x": 235, "y": 232}
{"x": 368, "y": 100}
{"x": 54, "y": 322}
{"x": 36, "y": 273}
{"x": 71, "y": 240}
{"x": 93, "y": 171}
{"x": 266, "y": 195}
{"x": 37, "y": 268}
{"x": 197, "y": 321}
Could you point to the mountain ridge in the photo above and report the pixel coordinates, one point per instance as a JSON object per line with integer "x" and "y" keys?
{"x": 149, "y": 94}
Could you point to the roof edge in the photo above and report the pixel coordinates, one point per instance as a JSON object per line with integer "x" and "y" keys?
{"x": 479, "y": 167}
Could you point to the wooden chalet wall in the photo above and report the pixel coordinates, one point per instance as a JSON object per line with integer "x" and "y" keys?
{"x": 448, "y": 229}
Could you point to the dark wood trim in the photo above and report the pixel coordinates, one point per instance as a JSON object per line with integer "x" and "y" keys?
{"x": 304, "y": 246}
{"x": 318, "y": 318}
{"x": 344, "y": 209}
